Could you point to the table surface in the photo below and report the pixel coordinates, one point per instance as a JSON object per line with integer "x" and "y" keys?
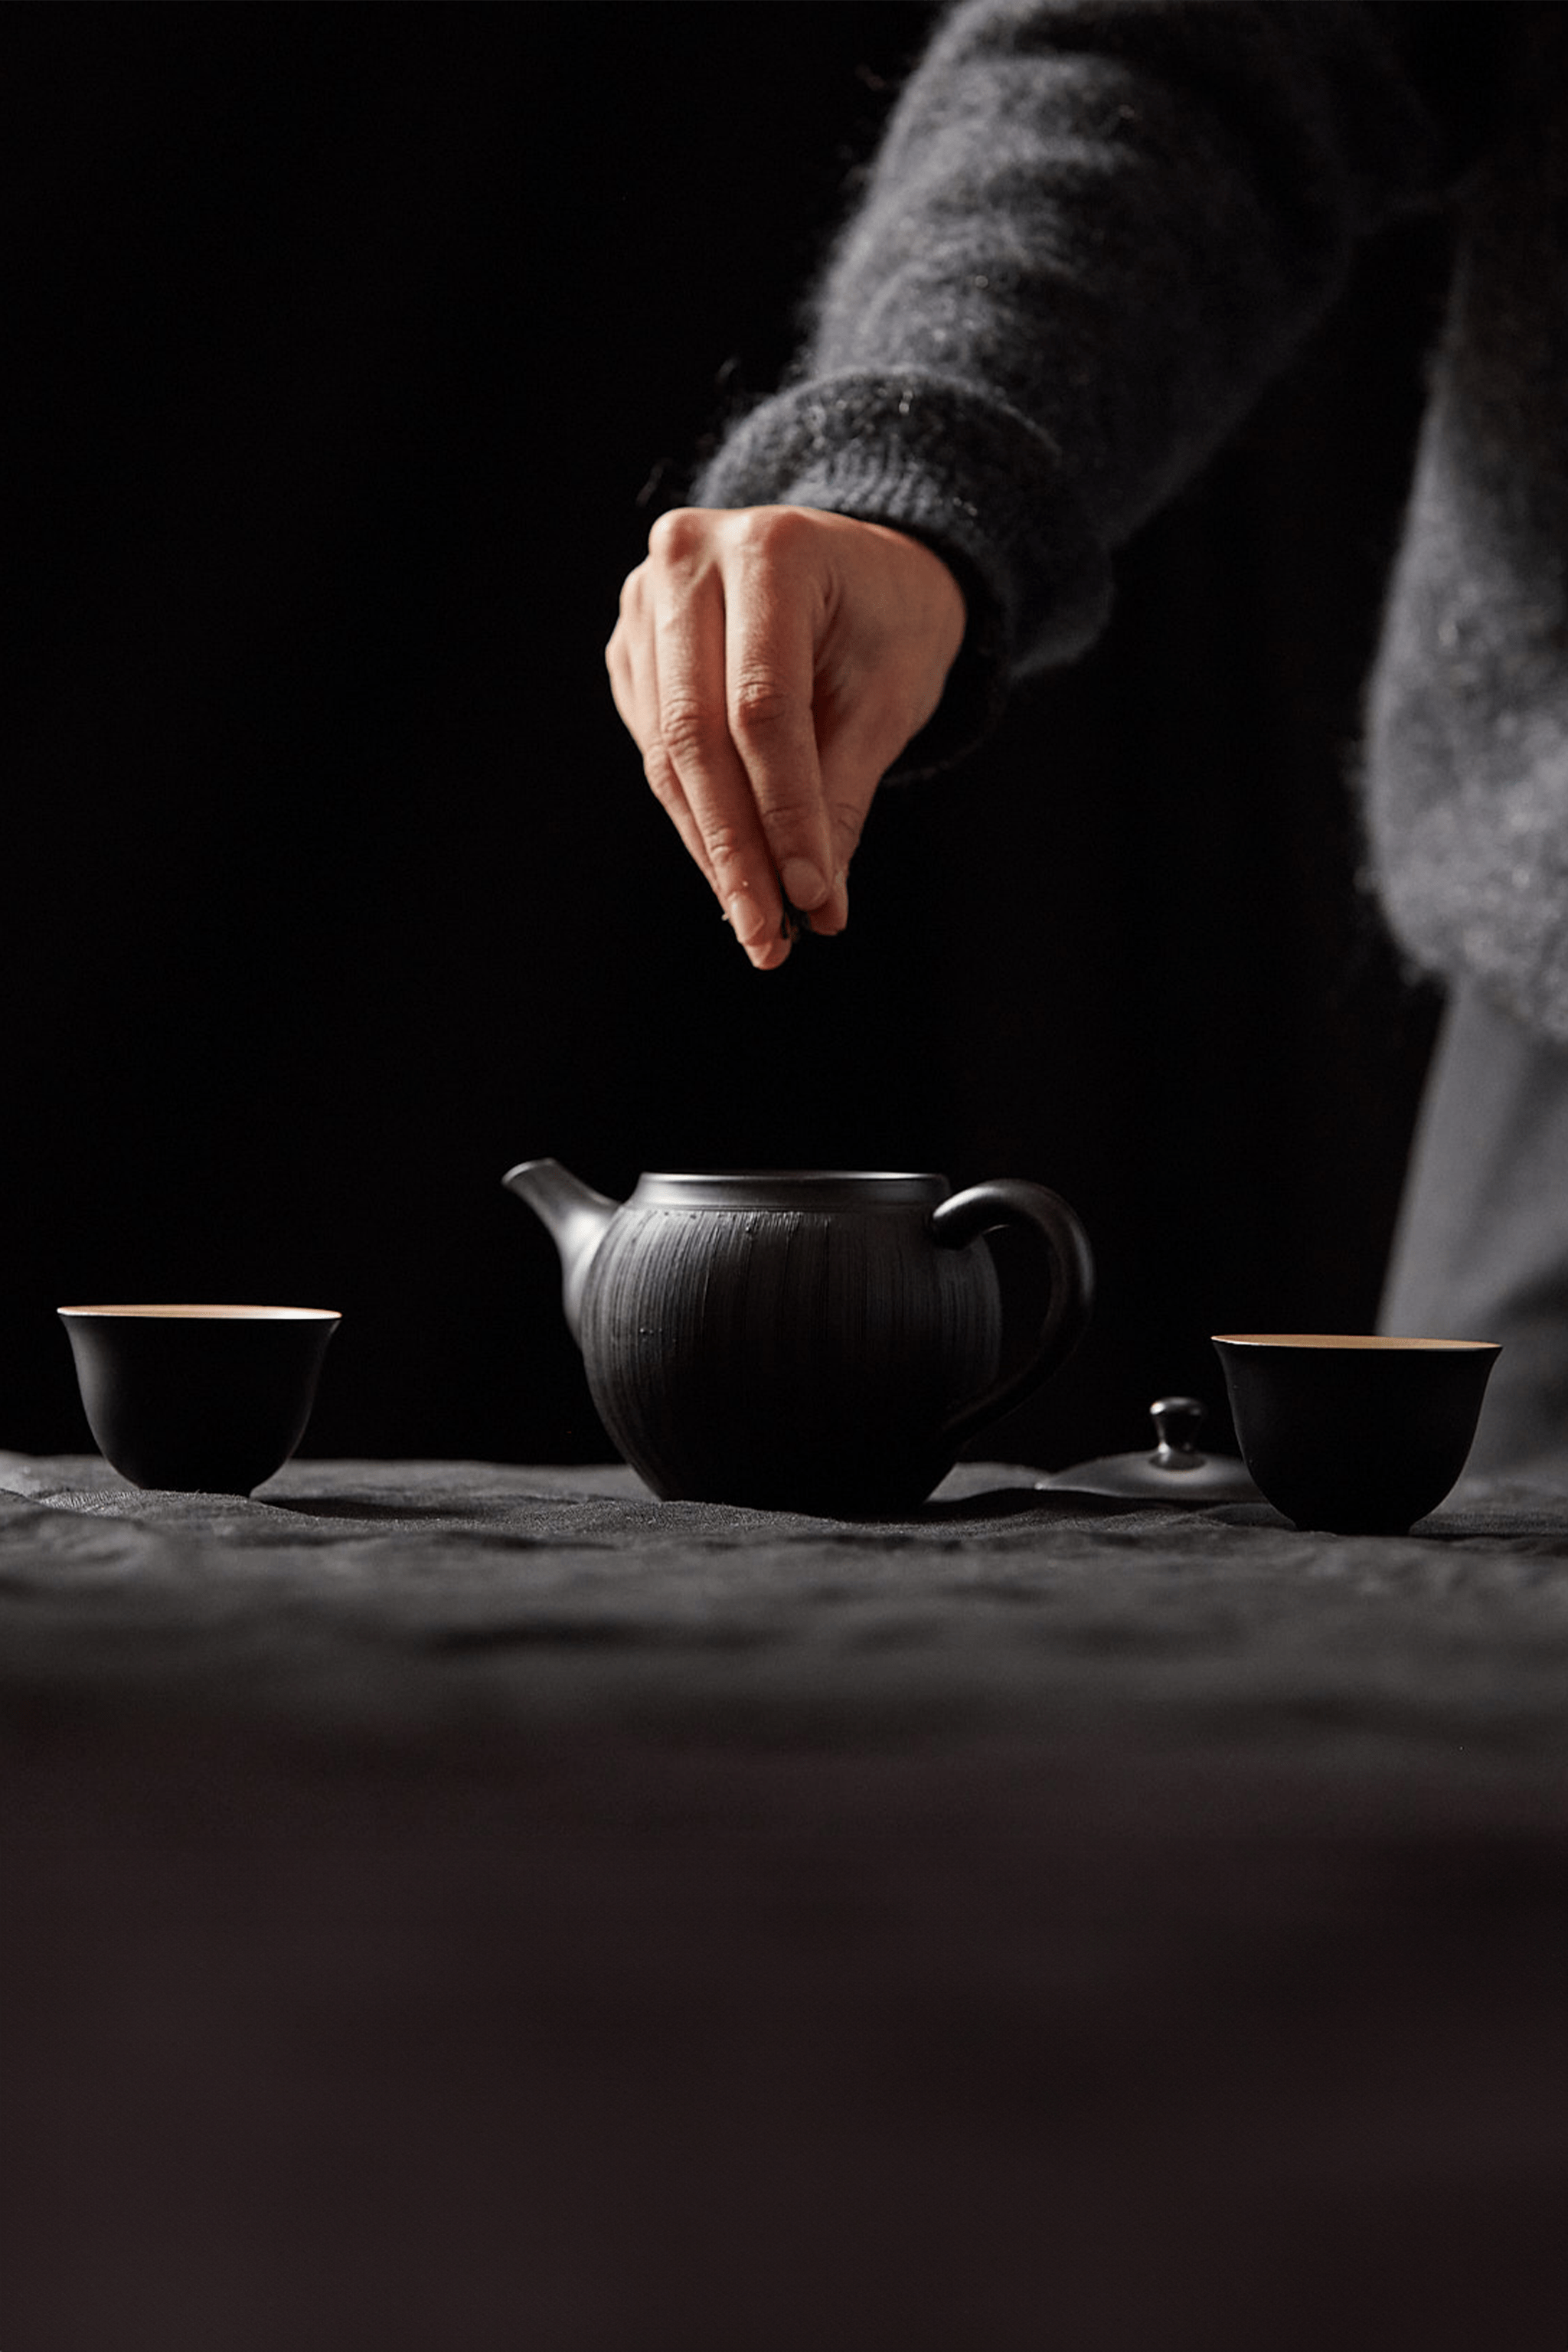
{"x": 565, "y": 1918}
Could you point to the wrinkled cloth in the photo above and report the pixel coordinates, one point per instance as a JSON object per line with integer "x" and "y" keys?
{"x": 446, "y": 1594}
{"x": 450, "y": 1902}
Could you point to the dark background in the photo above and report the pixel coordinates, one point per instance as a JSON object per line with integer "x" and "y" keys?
{"x": 350, "y": 353}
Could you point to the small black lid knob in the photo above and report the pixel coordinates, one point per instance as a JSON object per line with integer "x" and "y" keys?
{"x": 1177, "y": 1421}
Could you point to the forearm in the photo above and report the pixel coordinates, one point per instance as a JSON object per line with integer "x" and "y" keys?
{"x": 1095, "y": 230}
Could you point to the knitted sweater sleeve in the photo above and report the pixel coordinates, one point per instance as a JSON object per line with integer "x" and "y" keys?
{"x": 1094, "y": 231}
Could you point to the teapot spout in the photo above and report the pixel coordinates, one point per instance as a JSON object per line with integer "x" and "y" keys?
{"x": 577, "y": 1218}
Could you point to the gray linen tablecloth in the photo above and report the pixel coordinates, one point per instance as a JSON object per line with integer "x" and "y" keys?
{"x": 457, "y": 1905}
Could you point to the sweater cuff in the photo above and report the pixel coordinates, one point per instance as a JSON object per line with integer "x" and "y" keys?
{"x": 971, "y": 477}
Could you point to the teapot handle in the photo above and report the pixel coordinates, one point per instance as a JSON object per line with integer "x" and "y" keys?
{"x": 1008, "y": 1201}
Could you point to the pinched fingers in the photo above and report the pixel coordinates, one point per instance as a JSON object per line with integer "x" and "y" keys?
{"x": 694, "y": 757}
{"x": 775, "y": 603}
{"x": 711, "y": 665}
{"x": 771, "y": 663}
{"x": 666, "y": 666}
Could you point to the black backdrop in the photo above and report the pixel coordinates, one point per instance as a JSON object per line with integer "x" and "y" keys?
{"x": 350, "y": 352}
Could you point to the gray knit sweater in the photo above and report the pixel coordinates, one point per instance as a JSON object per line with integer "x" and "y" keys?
{"x": 1095, "y": 230}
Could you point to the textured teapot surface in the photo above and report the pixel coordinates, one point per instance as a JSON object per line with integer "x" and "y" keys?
{"x": 807, "y": 1340}
{"x": 791, "y": 1340}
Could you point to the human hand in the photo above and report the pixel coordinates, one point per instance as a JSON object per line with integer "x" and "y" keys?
{"x": 771, "y": 663}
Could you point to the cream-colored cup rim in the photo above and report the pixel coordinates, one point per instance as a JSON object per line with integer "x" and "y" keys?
{"x": 1371, "y": 1340}
{"x": 220, "y": 1314}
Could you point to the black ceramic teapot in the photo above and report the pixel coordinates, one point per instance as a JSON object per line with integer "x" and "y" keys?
{"x": 801, "y": 1339}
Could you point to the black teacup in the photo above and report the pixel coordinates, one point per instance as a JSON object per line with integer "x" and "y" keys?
{"x": 198, "y": 1399}
{"x": 1358, "y": 1435}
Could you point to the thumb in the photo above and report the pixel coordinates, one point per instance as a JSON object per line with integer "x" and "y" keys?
{"x": 850, "y": 775}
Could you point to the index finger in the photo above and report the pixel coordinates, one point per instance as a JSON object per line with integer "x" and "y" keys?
{"x": 693, "y": 735}
{"x": 771, "y": 616}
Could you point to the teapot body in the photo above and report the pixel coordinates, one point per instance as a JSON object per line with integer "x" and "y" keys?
{"x": 789, "y": 1340}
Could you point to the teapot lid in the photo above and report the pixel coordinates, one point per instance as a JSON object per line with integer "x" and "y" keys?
{"x": 789, "y": 1188}
{"x": 1175, "y": 1472}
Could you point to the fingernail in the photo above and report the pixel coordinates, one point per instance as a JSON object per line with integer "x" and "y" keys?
{"x": 744, "y": 919}
{"x": 804, "y": 884}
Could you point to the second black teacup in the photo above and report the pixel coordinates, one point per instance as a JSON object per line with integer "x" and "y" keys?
{"x": 198, "y": 1399}
{"x": 1358, "y": 1435}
